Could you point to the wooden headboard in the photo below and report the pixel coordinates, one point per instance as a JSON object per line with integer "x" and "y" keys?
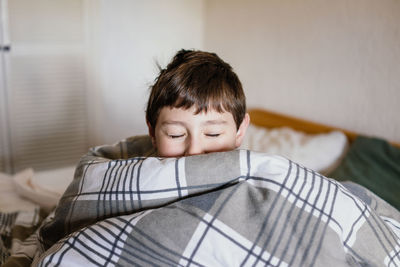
{"x": 269, "y": 119}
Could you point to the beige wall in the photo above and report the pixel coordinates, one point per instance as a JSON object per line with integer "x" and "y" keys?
{"x": 125, "y": 39}
{"x": 336, "y": 62}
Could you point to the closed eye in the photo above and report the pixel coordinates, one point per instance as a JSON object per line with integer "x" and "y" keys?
{"x": 174, "y": 136}
{"x": 213, "y": 135}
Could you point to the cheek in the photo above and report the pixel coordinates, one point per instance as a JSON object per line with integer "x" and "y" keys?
{"x": 228, "y": 143}
{"x": 167, "y": 148}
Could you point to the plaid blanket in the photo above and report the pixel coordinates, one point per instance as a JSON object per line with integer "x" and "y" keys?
{"x": 18, "y": 232}
{"x": 236, "y": 208}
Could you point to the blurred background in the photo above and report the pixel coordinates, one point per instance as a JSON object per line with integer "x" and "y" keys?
{"x": 75, "y": 73}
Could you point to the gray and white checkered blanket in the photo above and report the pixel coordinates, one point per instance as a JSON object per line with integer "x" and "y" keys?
{"x": 236, "y": 208}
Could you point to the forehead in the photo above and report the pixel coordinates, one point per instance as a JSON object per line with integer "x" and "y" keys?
{"x": 171, "y": 115}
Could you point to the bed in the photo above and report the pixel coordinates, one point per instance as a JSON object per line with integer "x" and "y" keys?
{"x": 248, "y": 207}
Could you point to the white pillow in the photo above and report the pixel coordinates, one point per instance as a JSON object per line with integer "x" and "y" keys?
{"x": 320, "y": 152}
{"x": 10, "y": 200}
{"x": 43, "y": 187}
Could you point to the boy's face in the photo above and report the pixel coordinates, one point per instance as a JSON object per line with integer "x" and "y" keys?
{"x": 181, "y": 132}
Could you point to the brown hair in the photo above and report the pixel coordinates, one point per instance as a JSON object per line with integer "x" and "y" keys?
{"x": 197, "y": 78}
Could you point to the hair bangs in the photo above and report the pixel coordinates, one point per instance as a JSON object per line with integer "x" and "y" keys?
{"x": 204, "y": 99}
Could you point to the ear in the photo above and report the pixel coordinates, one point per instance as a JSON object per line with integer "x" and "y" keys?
{"x": 242, "y": 130}
{"x": 151, "y": 133}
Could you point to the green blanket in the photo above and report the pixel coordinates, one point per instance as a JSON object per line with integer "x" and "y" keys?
{"x": 375, "y": 164}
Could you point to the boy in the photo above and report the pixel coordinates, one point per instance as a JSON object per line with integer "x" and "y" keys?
{"x": 196, "y": 106}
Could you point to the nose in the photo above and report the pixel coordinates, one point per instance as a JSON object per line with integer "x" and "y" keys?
{"x": 194, "y": 147}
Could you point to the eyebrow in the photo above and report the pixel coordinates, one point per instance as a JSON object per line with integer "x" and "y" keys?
{"x": 214, "y": 122}
{"x": 172, "y": 122}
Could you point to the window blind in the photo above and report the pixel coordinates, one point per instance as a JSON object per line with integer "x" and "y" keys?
{"x": 46, "y": 90}
{"x": 47, "y": 109}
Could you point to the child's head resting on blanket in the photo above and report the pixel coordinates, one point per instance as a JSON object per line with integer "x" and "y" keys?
{"x": 196, "y": 105}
